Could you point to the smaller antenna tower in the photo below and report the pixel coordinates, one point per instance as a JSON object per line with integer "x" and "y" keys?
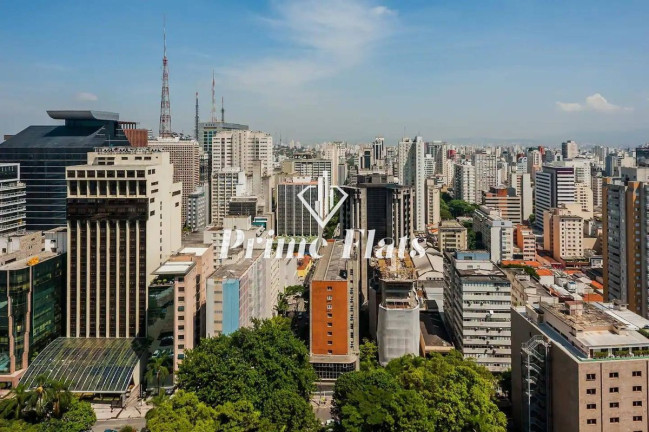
{"x": 222, "y": 111}
{"x": 213, "y": 119}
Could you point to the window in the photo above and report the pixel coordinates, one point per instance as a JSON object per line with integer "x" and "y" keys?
{"x": 637, "y": 388}
{"x": 330, "y": 343}
{"x": 330, "y": 352}
{"x": 637, "y": 403}
{"x": 637, "y": 418}
{"x": 591, "y": 421}
{"x": 329, "y": 298}
{"x": 329, "y": 307}
{"x": 637, "y": 373}
{"x": 590, "y": 377}
{"x": 613, "y": 375}
{"x": 591, "y": 406}
{"x": 615, "y": 419}
{"x": 330, "y": 333}
{"x": 614, "y": 405}
{"x": 330, "y": 315}
{"x": 330, "y": 324}
{"x": 591, "y": 391}
{"x": 330, "y": 288}
{"x": 614, "y": 390}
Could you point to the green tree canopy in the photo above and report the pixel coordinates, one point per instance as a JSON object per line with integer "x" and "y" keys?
{"x": 414, "y": 394}
{"x": 253, "y": 364}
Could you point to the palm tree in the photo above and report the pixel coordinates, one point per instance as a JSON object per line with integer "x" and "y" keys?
{"x": 13, "y": 407}
{"x": 60, "y": 396}
{"x": 158, "y": 370}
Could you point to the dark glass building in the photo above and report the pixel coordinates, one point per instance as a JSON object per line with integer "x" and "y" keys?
{"x": 44, "y": 152}
{"x": 31, "y": 310}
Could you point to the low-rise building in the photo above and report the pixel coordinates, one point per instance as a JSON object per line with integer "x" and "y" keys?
{"x": 525, "y": 242}
{"x": 563, "y": 234}
{"x": 451, "y": 236}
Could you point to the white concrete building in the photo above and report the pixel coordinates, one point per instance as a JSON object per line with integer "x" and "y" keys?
{"x": 464, "y": 182}
{"x": 477, "y": 302}
{"x": 497, "y": 233}
{"x": 240, "y": 148}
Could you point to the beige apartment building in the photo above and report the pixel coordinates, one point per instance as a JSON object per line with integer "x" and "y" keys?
{"x": 579, "y": 367}
{"x": 185, "y": 157}
{"x": 451, "y": 236}
{"x": 563, "y": 234}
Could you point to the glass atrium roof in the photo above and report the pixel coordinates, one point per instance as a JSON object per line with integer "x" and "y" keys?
{"x": 90, "y": 365}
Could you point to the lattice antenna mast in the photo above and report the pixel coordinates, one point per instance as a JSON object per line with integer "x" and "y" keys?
{"x": 196, "y": 118}
{"x": 213, "y": 119}
{"x": 165, "y": 106}
{"x": 222, "y": 111}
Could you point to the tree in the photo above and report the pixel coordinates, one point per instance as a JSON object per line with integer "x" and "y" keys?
{"x": 14, "y": 406}
{"x": 531, "y": 218}
{"x": 289, "y": 410}
{"x": 369, "y": 355}
{"x": 250, "y": 364}
{"x": 505, "y": 382}
{"x": 413, "y": 394}
{"x": 157, "y": 370}
{"x": 128, "y": 429}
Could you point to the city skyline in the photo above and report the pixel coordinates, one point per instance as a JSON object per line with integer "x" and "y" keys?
{"x": 316, "y": 71}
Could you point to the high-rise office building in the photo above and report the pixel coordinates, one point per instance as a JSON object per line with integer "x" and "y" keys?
{"x": 477, "y": 302}
{"x": 293, "y": 217}
{"x": 386, "y": 208}
{"x": 198, "y": 209}
{"x": 334, "y": 310}
{"x": 569, "y": 149}
{"x": 578, "y": 366}
{"x": 44, "y": 152}
{"x": 226, "y": 183}
{"x": 123, "y": 222}
{"x": 464, "y": 182}
{"x": 207, "y": 131}
{"x": 12, "y": 200}
{"x": 241, "y": 148}
{"x": 32, "y": 310}
{"x": 185, "y": 157}
{"x": 625, "y": 224}
{"x": 555, "y": 185}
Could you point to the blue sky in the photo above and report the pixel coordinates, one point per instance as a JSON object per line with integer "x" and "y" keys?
{"x": 315, "y": 70}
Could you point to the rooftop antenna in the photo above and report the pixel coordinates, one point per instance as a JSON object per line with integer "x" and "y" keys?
{"x": 196, "y": 118}
{"x": 164, "y": 129}
{"x": 222, "y": 111}
{"x": 213, "y": 119}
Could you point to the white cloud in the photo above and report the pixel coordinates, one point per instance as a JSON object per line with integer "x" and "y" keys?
{"x": 595, "y": 102}
{"x": 324, "y": 37}
{"x": 86, "y": 97}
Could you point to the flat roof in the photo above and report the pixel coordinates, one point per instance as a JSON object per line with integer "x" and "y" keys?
{"x": 175, "y": 267}
{"x": 196, "y": 250}
{"x": 331, "y": 263}
{"x": 433, "y": 331}
{"x": 22, "y": 263}
{"x": 236, "y": 270}
{"x": 83, "y": 115}
{"x": 89, "y": 365}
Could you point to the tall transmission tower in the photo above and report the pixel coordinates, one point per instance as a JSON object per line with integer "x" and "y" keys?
{"x": 165, "y": 106}
{"x": 222, "y": 111}
{"x": 213, "y": 119}
{"x": 196, "y": 118}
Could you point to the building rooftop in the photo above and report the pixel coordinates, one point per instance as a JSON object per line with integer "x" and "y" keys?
{"x": 433, "y": 332}
{"x": 395, "y": 268}
{"x": 450, "y": 224}
{"x": 83, "y": 115}
{"x": 27, "y": 262}
{"x": 175, "y": 268}
{"x": 194, "y": 250}
{"x": 236, "y": 270}
{"x": 331, "y": 266}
